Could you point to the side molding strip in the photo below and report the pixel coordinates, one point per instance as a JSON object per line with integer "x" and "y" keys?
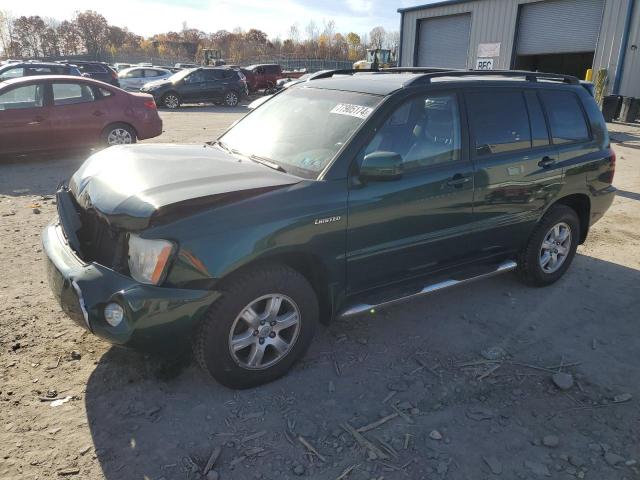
{"x": 505, "y": 266}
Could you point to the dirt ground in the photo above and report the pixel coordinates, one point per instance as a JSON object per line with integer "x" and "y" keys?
{"x": 416, "y": 380}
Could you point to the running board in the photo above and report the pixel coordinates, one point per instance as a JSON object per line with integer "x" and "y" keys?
{"x": 505, "y": 266}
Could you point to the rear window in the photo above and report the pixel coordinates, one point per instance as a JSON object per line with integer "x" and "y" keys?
{"x": 566, "y": 118}
{"x": 71, "y": 93}
{"x": 500, "y": 121}
{"x": 92, "y": 68}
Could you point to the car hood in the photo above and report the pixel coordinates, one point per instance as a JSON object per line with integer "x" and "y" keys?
{"x": 135, "y": 185}
{"x": 157, "y": 83}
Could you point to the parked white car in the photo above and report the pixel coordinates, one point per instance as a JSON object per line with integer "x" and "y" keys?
{"x": 134, "y": 78}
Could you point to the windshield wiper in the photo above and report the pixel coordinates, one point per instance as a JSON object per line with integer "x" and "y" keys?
{"x": 220, "y": 144}
{"x": 267, "y": 162}
{"x": 256, "y": 158}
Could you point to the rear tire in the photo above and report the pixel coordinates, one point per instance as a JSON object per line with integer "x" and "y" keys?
{"x": 270, "y": 312}
{"x": 119, "y": 134}
{"x": 551, "y": 247}
{"x": 171, "y": 100}
{"x": 231, "y": 98}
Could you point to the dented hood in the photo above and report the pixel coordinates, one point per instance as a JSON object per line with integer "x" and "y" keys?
{"x": 133, "y": 184}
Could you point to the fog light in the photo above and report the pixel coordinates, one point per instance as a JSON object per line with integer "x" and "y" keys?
{"x": 113, "y": 314}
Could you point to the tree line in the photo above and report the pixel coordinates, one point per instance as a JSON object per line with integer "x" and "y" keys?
{"x": 88, "y": 33}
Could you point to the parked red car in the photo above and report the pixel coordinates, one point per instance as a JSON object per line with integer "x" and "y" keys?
{"x": 63, "y": 112}
{"x": 263, "y": 76}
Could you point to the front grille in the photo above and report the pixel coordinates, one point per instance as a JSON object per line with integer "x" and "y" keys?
{"x": 89, "y": 234}
{"x": 98, "y": 242}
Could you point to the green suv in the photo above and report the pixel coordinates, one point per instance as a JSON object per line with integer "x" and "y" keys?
{"x": 335, "y": 197}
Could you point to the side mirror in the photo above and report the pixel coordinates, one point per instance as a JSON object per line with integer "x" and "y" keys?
{"x": 380, "y": 166}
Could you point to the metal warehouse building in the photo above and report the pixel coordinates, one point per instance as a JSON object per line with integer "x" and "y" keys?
{"x": 561, "y": 36}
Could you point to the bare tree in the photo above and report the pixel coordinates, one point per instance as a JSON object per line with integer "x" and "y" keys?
{"x": 377, "y": 37}
{"x": 294, "y": 33}
{"x": 7, "y": 37}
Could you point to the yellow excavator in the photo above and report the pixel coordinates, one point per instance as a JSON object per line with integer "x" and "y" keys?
{"x": 376, "y": 58}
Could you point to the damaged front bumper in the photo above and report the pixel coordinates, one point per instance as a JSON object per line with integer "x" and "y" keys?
{"x": 156, "y": 318}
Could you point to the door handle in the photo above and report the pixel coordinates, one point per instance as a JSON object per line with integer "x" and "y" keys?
{"x": 546, "y": 162}
{"x": 98, "y": 113}
{"x": 458, "y": 180}
{"x": 36, "y": 121}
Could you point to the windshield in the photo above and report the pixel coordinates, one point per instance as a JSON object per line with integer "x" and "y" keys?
{"x": 301, "y": 129}
{"x": 180, "y": 75}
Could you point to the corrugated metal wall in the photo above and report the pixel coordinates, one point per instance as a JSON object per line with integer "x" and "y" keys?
{"x": 495, "y": 21}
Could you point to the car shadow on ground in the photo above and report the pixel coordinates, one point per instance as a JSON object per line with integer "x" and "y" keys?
{"x": 38, "y": 174}
{"x": 154, "y": 419}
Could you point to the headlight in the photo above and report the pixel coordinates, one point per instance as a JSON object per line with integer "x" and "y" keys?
{"x": 148, "y": 259}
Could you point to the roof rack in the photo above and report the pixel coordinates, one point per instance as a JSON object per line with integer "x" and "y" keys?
{"x": 419, "y": 70}
{"x": 528, "y": 76}
{"x": 430, "y": 73}
{"x": 345, "y": 71}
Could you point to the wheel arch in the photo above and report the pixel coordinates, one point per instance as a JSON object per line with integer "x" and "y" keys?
{"x": 581, "y": 204}
{"x": 312, "y": 268}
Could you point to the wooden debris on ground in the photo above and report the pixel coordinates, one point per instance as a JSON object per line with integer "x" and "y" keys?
{"x": 310, "y": 447}
{"x": 347, "y": 471}
{"x": 377, "y": 423}
{"x": 212, "y": 459}
{"x": 363, "y": 442}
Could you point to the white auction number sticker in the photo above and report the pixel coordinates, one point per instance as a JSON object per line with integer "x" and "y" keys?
{"x": 352, "y": 110}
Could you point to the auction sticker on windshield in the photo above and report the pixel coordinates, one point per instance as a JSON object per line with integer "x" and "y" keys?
{"x": 352, "y": 110}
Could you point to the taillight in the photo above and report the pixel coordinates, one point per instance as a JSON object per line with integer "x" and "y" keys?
{"x": 114, "y": 75}
{"x": 150, "y": 104}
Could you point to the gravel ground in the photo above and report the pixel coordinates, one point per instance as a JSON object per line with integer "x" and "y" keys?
{"x": 458, "y": 385}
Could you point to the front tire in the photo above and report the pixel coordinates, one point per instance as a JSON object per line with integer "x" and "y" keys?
{"x": 551, "y": 247}
{"x": 263, "y": 323}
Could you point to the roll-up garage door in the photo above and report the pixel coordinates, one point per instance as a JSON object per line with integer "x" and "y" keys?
{"x": 559, "y": 26}
{"x": 444, "y": 41}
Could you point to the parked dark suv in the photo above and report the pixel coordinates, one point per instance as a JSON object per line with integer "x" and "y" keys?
{"x": 96, "y": 70}
{"x": 203, "y": 84}
{"x": 26, "y": 69}
{"x": 336, "y": 197}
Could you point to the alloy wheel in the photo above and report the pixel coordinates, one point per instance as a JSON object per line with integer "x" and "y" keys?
{"x": 171, "y": 101}
{"x": 231, "y": 99}
{"x": 119, "y": 136}
{"x": 555, "y": 247}
{"x": 264, "y": 332}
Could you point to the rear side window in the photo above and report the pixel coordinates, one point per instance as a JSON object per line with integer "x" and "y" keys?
{"x": 92, "y": 68}
{"x": 71, "y": 93}
{"x": 133, "y": 74}
{"x": 152, "y": 73}
{"x": 12, "y": 73}
{"x": 500, "y": 121}
{"x": 539, "y": 133}
{"x": 566, "y": 118}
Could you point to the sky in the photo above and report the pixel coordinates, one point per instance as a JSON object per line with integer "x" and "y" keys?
{"x": 146, "y": 17}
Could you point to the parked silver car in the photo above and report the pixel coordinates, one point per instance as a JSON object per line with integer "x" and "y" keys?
{"x": 134, "y": 78}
